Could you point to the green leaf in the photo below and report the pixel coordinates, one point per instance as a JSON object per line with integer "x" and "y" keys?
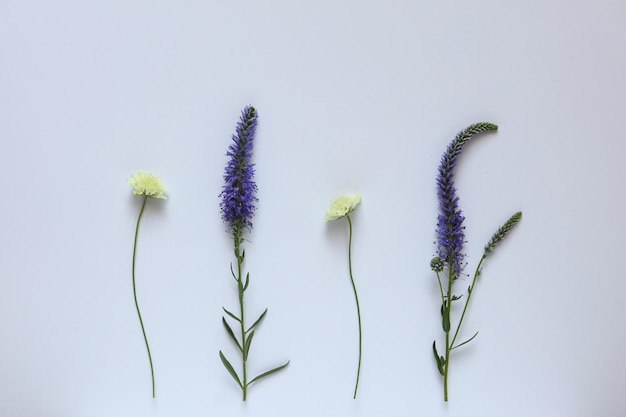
{"x": 257, "y": 321}
{"x": 246, "y": 346}
{"x": 240, "y": 288}
{"x": 263, "y": 375}
{"x": 230, "y": 369}
{"x": 469, "y": 289}
{"x": 439, "y": 359}
{"x": 232, "y": 315}
{"x": 445, "y": 321}
{"x": 230, "y": 332}
{"x": 467, "y": 341}
{"x": 247, "y": 281}
{"x": 232, "y": 272}
{"x": 457, "y": 297}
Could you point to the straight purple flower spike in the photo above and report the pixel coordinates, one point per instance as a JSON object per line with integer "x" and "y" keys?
{"x": 238, "y": 205}
{"x": 239, "y": 190}
{"x": 450, "y": 240}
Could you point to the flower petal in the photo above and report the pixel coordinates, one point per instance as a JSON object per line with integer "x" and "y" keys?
{"x": 145, "y": 183}
{"x": 342, "y": 206}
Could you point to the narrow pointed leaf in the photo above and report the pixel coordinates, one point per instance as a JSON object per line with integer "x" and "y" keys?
{"x": 230, "y": 332}
{"x": 247, "y": 281}
{"x": 467, "y": 341}
{"x": 445, "y": 322}
{"x": 240, "y": 288}
{"x": 232, "y": 272}
{"x": 438, "y": 359}
{"x": 263, "y": 375}
{"x": 232, "y": 315}
{"x": 230, "y": 369}
{"x": 246, "y": 346}
{"x": 257, "y": 321}
{"x": 457, "y": 297}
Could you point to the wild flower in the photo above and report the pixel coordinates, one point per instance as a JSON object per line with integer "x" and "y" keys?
{"x": 239, "y": 190}
{"x": 237, "y": 206}
{"x": 342, "y": 207}
{"x": 148, "y": 186}
{"x": 450, "y": 229}
{"x": 450, "y": 240}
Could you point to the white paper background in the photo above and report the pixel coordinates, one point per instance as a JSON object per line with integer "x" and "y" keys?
{"x": 353, "y": 97}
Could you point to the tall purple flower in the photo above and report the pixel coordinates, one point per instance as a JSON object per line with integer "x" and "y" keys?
{"x": 450, "y": 240}
{"x": 238, "y": 204}
{"x": 450, "y": 229}
{"x": 239, "y": 191}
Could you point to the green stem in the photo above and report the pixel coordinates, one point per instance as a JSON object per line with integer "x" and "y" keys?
{"x": 358, "y": 309}
{"x": 447, "y": 305}
{"x": 469, "y": 295}
{"x": 240, "y": 286}
{"x": 443, "y": 299}
{"x": 143, "y": 330}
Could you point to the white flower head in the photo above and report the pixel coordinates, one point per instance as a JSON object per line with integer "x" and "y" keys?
{"x": 342, "y": 206}
{"x": 145, "y": 183}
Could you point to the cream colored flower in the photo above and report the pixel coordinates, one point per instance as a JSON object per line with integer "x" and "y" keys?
{"x": 145, "y": 183}
{"x": 342, "y": 206}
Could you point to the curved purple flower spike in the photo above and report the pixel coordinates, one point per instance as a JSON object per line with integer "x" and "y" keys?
{"x": 450, "y": 229}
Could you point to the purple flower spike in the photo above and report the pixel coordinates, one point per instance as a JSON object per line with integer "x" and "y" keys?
{"x": 450, "y": 229}
{"x": 239, "y": 191}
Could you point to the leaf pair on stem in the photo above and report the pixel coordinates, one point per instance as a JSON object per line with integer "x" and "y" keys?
{"x": 246, "y": 334}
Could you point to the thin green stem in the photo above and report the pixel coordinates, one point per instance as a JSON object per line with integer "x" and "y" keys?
{"x": 447, "y": 305}
{"x": 143, "y": 330}
{"x": 358, "y": 309}
{"x": 467, "y": 300}
{"x": 440, "y": 287}
{"x": 240, "y": 286}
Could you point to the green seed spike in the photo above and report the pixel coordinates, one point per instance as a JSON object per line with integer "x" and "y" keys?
{"x": 502, "y": 232}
